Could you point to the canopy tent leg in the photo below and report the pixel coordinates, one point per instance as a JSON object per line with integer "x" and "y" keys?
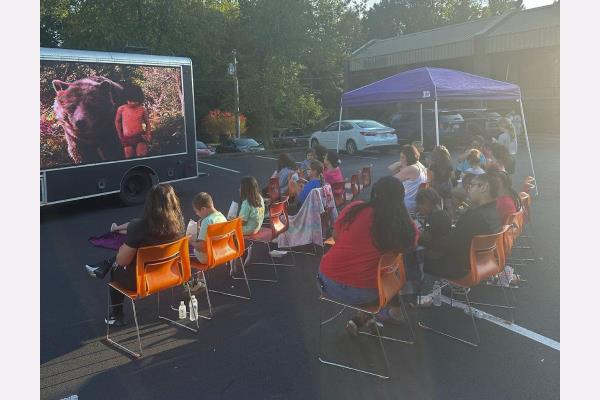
{"x": 421, "y": 113}
{"x": 437, "y": 125}
{"x": 528, "y": 147}
{"x": 337, "y": 147}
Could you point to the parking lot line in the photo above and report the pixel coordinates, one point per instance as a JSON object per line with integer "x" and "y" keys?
{"x": 368, "y": 158}
{"x": 217, "y": 166}
{"x": 511, "y": 327}
{"x": 268, "y": 158}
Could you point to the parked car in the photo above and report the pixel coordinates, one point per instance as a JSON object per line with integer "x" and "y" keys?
{"x": 240, "y": 145}
{"x": 202, "y": 150}
{"x": 290, "y": 137}
{"x": 408, "y": 127}
{"x": 355, "y": 135}
{"x": 480, "y": 122}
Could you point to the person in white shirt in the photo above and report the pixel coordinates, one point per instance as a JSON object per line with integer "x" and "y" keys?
{"x": 508, "y": 138}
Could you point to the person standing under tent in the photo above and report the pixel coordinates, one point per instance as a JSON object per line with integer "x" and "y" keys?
{"x": 508, "y": 138}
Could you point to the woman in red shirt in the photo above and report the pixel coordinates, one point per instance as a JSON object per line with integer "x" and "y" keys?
{"x": 363, "y": 232}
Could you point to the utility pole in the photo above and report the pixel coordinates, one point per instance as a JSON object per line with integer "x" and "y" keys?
{"x": 237, "y": 93}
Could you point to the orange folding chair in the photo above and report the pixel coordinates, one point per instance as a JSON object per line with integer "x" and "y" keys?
{"x": 279, "y": 223}
{"x": 365, "y": 176}
{"x": 224, "y": 243}
{"x": 157, "y": 268}
{"x": 391, "y": 278}
{"x": 339, "y": 193}
{"x": 274, "y": 189}
{"x": 486, "y": 260}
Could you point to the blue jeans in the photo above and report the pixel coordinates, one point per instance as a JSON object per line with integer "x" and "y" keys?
{"x": 346, "y": 294}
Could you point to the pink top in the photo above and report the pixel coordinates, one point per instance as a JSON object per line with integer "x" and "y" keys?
{"x": 333, "y": 175}
{"x": 505, "y": 206}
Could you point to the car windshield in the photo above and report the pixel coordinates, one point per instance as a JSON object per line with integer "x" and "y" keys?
{"x": 370, "y": 124}
{"x": 246, "y": 142}
{"x": 200, "y": 145}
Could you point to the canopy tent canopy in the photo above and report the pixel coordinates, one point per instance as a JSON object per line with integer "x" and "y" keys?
{"x": 430, "y": 84}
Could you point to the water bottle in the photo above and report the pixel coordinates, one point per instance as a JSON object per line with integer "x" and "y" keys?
{"x": 182, "y": 311}
{"x": 437, "y": 294}
{"x": 193, "y": 308}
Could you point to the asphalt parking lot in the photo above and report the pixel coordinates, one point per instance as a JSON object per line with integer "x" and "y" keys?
{"x": 267, "y": 348}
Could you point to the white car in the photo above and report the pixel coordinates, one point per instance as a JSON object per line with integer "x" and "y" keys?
{"x": 355, "y": 135}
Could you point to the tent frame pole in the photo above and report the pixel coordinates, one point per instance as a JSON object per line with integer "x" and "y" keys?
{"x": 421, "y": 115}
{"x": 437, "y": 124}
{"x": 337, "y": 147}
{"x": 520, "y": 101}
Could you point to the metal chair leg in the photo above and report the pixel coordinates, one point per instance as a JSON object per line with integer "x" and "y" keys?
{"x": 233, "y": 294}
{"x": 439, "y": 332}
{"x": 137, "y": 328}
{"x": 260, "y": 279}
{"x": 177, "y": 322}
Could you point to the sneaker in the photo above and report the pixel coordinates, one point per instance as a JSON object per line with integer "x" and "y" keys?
{"x": 113, "y": 227}
{"x": 98, "y": 270}
{"x": 115, "y": 320}
{"x": 387, "y": 315}
{"x": 374, "y": 325}
{"x": 197, "y": 285}
{"x": 425, "y": 301}
{"x": 352, "y": 328}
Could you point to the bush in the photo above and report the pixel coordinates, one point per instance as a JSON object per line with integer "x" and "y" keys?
{"x": 217, "y": 124}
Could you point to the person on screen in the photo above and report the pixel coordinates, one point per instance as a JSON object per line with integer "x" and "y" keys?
{"x": 133, "y": 124}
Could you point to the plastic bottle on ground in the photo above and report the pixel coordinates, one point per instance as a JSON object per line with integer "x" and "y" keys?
{"x": 193, "y": 308}
{"x": 182, "y": 310}
{"x": 437, "y": 294}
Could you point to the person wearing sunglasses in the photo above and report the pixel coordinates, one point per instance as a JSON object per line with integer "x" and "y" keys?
{"x": 451, "y": 261}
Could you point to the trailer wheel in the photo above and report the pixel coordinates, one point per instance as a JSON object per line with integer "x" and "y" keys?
{"x": 134, "y": 186}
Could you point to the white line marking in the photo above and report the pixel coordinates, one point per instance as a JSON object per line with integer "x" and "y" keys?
{"x": 511, "y": 327}
{"x": 216, "y": 166}
{"x": 268, "y": 158}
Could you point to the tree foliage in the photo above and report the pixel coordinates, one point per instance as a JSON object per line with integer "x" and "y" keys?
{"x": 291, "y": 53}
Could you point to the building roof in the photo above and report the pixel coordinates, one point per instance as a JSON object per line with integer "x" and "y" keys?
{"x": 515, "y": 30}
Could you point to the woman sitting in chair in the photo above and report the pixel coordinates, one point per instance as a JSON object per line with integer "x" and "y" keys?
{"x": 411, "y": 173}
{"x": 161, "y": 222}
{"x": 333, "y": 173}
{"x": 363, "y": 232}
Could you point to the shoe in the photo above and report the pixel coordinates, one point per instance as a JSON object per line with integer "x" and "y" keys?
{"x": 423, "y": 302}
{"x": 115, "y": 320}
{"x": 352, "y": 328}
{"x": 113, "y": 227}
{"x": 387, "y": 315}
{"x": 98, "y": 270}
{"x": 197, "y": 286}
{"x": 376, "y": 327}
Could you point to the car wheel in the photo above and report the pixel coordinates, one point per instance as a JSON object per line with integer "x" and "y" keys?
{"x": 314, "y": 143}
{"x": 351, "y": 147}
{"x": 134, "y": 186}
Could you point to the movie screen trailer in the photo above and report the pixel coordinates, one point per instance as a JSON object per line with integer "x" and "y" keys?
{"x": 97, "y": 112}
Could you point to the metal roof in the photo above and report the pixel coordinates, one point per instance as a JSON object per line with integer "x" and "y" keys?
{"x": 536, "y": 27}
{"x": 533, "y": 28}
{"x": 111, "y": 57}
{"x": 440, "y": 43}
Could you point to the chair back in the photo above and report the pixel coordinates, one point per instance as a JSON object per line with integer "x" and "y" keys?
{"x": 365, "y": 176}
{"x": 487, "y": 256}
{"x": 525, "y": 205}
{"x": 354, "y": 186}
{"x": 224, "y": 242}
{"x": 162, "y": 266}
{"x": 273, "y": 189}
{"x": 391, "y": 277}
{"x": 339, "y": 193}
{"x": 280, "y": 221}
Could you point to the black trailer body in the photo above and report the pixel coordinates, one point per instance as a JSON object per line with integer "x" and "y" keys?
{"x": 85, "y": 116}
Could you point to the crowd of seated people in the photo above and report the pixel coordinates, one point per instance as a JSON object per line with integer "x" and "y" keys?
{"x": 451, "y": 212}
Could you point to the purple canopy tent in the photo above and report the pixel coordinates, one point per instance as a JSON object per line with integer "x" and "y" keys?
{"x": 433, "y": 84}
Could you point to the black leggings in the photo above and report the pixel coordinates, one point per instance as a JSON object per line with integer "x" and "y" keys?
{"x": 443, "y": 268}
{"x": 124, "y": 276}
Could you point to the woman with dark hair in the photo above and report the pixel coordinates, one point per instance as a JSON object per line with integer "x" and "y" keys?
{"x": 252, "y": 208}
{"x": 321, "y": 152}
{"x": 411, "y": 173}
{"x": 508, "y": 201}
{"x": 332, "y": 172}
{"x": 363, "y": 232}
{"x": 161, "y": 222}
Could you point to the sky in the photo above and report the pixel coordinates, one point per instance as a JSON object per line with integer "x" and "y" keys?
{"x": 528, "y": 3}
